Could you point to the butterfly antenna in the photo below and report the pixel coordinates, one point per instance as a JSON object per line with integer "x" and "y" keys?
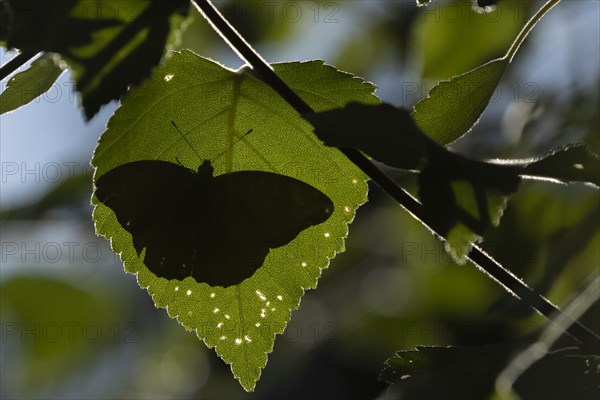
{"x": 187, "y": 141}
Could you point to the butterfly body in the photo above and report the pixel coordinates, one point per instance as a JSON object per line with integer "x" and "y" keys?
{"x": 217, "y": 230}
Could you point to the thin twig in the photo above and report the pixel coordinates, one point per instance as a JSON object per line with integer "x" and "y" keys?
{"x": 266, "y": 73}
{"x": 15, "y": 63}
{"x": 510, "y": 54}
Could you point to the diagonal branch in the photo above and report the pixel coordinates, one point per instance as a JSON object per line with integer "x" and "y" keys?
{"x": 15, "y": 63}
{"x": 265, "y": 72}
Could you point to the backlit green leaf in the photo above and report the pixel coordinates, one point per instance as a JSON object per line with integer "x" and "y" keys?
{"x": 29, "y": 84}
{"x": 454, "y": 106}
{"x": 215, "y": 107}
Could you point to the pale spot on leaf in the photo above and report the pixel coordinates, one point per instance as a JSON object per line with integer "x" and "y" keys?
{"x": 260, "y": 295}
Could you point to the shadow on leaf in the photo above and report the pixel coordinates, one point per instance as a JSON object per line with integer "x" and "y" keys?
{"x": 217, "y": 230}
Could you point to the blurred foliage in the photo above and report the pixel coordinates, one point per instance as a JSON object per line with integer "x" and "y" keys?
{"x": 51, "y": 329}
{"x": 394, "y": 288}
{"x": 451, "y": 38}
{"x": 108, "y": 45}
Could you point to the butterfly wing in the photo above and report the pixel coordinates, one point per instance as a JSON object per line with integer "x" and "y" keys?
{"x": 216, "y": 230}
{"x": 274, "y": 208}
{"x": 150, "y": 199}
{"x": 251, "y": 212}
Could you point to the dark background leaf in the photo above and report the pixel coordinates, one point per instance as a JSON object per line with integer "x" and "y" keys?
{"x": 562, "y": 374}
{"x": 109, "y": 45}
{"x": 470, "y": 373}
{"x": 462, "y": 197}
{"x": 386, "y": 133}
{"x": 447, "y": 372}
{"x": 218, "y": 230}
{"x": 571, "y": 163}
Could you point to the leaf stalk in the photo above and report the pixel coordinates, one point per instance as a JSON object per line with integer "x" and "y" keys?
{"x": 528, "y": 27}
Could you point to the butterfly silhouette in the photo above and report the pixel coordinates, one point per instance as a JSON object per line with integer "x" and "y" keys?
{"x": 217, "y": 230}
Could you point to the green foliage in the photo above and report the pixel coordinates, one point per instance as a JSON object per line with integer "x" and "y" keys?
{"x": 453, "y": 107}
{"x": 56, "y": 343}
{"x": 461, "y": 197}
{"x": 109, "y": 45}
{"x": 29, "y": 84}
{"x": 240, "y": 321}
{"x": 452, "y": 37}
